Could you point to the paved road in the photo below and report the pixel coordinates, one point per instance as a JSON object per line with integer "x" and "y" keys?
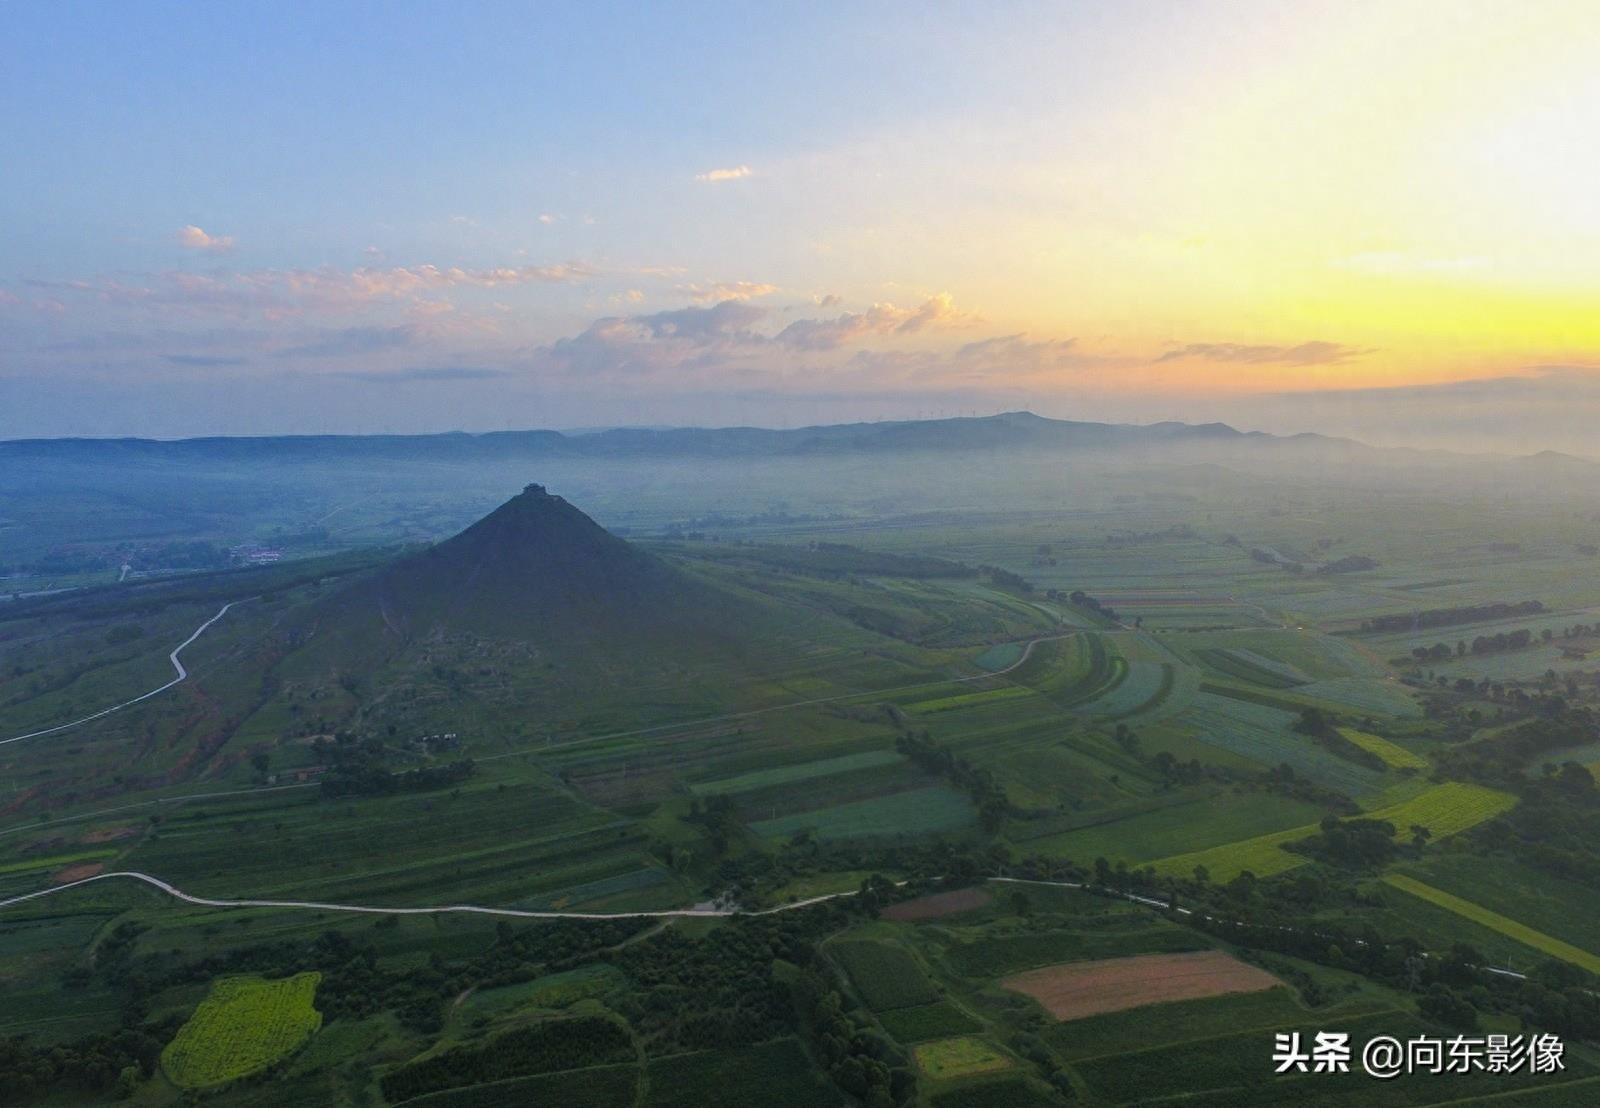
{"x": 177, "y": 665}
{"x": 667, "y": 913}
{"x": 473, "y": 909}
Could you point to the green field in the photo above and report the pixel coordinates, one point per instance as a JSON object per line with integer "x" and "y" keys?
{"x": 997, "y": 956}
{"x": 1495, "y": 922}
{"x": 1392, "y": 754}
{"x": 919, "y": 811}
{"x": 961, "y": 1057}
{"x": 1446, "y": 810}
{"x": 927, "y": 1021}
{"x": 775, "y": 1074}
{"x": 244, "y": 1025}
{"x": 885, "y": 974}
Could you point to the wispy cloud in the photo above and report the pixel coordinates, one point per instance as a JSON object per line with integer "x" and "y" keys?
{"x": 194, "y": 238}
{"x": 717, "y": 176}
{"x": 1306, "y": 353}
{"x": 728, "y": 290}
{"x": 880, "y": 319}
{"x": 283, "y": 293}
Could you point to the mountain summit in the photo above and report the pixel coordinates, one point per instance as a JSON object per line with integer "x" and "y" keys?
{"x": 535, "y": 568}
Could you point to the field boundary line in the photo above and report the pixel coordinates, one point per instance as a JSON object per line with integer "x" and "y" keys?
{"x": 183, "y": 675}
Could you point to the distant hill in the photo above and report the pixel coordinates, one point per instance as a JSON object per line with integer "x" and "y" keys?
{"x": 1010, "y": 430}
{"x": 537, "y": 569}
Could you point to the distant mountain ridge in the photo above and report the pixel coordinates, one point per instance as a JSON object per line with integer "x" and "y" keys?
{"x": 1008, "y": 429}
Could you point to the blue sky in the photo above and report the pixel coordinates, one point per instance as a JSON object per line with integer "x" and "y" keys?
{"x": 247, "y": 218}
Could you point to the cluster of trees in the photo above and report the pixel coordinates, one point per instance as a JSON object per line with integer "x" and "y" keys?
{"x": 1005, "y": 579}
{"x": 718, "y": 816}
{"x": 1446, "y": 617}
{"x": 1084, "y": 600}
{"x": 1503, "y": 758}
{"x": 857, "y": 1058}
{"x": 542, "y": 1047}
{"x": 1353, "y": 843}
{"x": 1323, "y": 730}
{"x": 987, "y": 795}
{"x": 1481, "y": 644}
{"x": 117, "y": 1061}
{"x": 356, "y": 767}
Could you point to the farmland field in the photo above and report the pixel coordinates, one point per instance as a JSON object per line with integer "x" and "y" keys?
{"x": 885, "y": 974}
{"x": 1000, "y": 955}
{"x": 1496, "y": 922}
{"x": 935, "y": 905}
{"x": 1393, "y": 754}
{"x": 917, "y": 811}
{"x": 244, "y": 1025}
{"x": 927, "y": 1021}
{"x": 960, "y": 1057}
{"x": 1081, "y": 989}
{"x": 775, "y": 1075}
{"x": 1446, "y": 809}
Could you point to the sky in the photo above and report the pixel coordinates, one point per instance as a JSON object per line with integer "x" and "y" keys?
{"x": 1377, "y": 219}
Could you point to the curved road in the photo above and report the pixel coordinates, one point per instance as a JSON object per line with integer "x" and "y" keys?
{"x": 176, "y": 665}
{"x": 520, "y": 913}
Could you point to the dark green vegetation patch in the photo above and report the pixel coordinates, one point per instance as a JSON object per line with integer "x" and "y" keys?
{"x": 928, "y": 1021}
{"x": 1013, "y": 1092}
{"x": 539, "y": 1048}
{"x": 597, "y": 1087}
{"x": 772, "y": 1075}
{"x": 886, "y": 975}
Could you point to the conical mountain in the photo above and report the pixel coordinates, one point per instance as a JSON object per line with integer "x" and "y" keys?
{"x": 534, "y": 569}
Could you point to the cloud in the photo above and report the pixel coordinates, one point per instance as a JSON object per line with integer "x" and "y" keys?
{"x": 547, "y": 218}
{"x": 880, "y": 319}
{"x": 1307, "y": 353}
{"x": 716, "y": 176}
{"x": 828, "y": 300}
{"x": 194, "y": 238}
{"x": 203, "y": 361}
{"x": 277, "y": 294}
{"x": 728, "y": 290}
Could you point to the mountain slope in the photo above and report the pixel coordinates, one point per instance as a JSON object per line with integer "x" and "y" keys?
{"x": 534, "y": 569}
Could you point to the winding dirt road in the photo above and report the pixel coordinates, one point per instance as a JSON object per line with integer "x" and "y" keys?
{"x": 177, "y": 665}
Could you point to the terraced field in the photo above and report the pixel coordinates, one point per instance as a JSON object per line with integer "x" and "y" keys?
{"x": 1506, "y": 926}
{"x": 1393, "y": 755}
{"x": 885, "y": 974}
{"x": 1265, "y": 735}
{"x": 1445, "y": 810}
{"x": 918, "y": 811}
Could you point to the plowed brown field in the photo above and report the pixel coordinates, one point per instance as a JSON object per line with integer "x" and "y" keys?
{"x": 1079, "y": 989}
{"x": 936, "y": 905}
